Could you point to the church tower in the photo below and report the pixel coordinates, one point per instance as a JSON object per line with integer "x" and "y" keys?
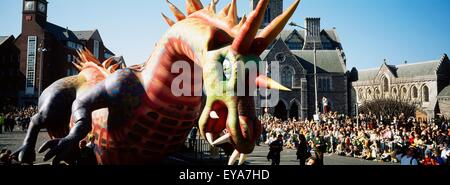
{"x": 30, "y": 42}
{"x": 34, "y": 14}
{"x": 274, "y": 9}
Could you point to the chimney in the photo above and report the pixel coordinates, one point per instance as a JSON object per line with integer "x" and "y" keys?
{"x": 313, "y": 35}
{"x": 313, "y": 25}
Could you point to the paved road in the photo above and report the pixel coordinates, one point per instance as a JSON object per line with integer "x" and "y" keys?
{"x": 288, "y": 157}
{"x": 13, "y": 141}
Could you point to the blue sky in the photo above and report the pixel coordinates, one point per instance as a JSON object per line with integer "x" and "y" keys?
{"x": 370, "y": 30}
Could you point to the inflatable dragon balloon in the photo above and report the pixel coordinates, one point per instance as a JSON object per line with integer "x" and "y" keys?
{"x": 132, "y": 112}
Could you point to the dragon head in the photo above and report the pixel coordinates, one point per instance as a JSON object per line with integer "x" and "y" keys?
{"x": 229, "y": 116}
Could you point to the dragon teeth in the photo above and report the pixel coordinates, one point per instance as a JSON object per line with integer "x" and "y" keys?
{"x": 224, "y": 139}
{"x": 233, "y": 157}
{"x": 242, "y": 159}
{"x": 209, "y": 137}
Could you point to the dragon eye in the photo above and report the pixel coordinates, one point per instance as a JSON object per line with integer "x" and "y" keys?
{"x": 227, "y": 69}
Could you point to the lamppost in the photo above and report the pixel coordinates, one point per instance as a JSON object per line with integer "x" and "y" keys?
{"x": 42, "y": 50}
{"x": 316, "y": 100}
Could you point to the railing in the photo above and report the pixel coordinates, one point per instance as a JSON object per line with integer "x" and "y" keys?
{"x": 202, "y": 149}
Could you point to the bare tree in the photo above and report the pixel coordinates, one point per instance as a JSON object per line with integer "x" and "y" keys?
{"x": 389, "y": 107}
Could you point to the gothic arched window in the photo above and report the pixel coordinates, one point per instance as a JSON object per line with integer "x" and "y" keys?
{"x": 426, "y": 94}
{"x": 414, "y": 92}
{"x": 286, "y": 77}
{"x": 395, "y": 93}
{"x": 385, "y": 84}
{"x": 404, "y": 92}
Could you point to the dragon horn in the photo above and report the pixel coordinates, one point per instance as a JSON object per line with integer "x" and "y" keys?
{"x": 232, "y": 13}
{"x": 178, "y": 14}
{"x": 247, "y": 34}
{"x": 193, "y": 6}
{"x": 168, "y": 21}
{"x": 263, "y": 81}
{"x": 266, "y": 37}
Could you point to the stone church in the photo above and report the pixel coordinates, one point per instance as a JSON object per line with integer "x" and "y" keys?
{"x": 294, "y": 51}
{"x": 425, "y": 84}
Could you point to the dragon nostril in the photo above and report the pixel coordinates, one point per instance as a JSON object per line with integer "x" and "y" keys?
{"x": 227, "y": 69}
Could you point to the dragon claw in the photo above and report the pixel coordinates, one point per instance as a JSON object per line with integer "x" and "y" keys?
{"x": 25, "y": 154}
{"x": 58, "y": 148}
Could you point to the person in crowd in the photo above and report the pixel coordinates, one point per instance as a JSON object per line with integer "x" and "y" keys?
{"x": 302, "y": 150}
{"x": 408, "y": 157}
{"x": 428, "y": 160}
{"x": 86, "y": 155}
{"x": 192, "y": 138}
{"x": 92, "y": 145}
{"x": 275, "y": 150}
{"x": 2, "y": 122}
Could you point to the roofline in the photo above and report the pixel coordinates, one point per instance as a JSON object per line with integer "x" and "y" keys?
{"x": 401, "y": 65}
{"x": 417, "y": 63}
{"x": 7, "y": 38}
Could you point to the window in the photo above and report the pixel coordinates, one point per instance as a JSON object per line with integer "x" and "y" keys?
{"x": 96, "y": 48}
{"x": 395, "y": 92}
{"x": 369, "y": 94}
{"x": 377, "y": 93}
{"x": 31, "y": 65}
{"x": 108, "y": 55}
{"x": 294, "y": 45}
{"x": 70, "y": 58}
{"x": 415, "y": 93}
{"x": 71, "y": 71}
{"x": 267, "y": 16}
{"x": 426, "y": 94}
{"x": 286, "y": 77}
{"x": 360, "y": 94}
{"x": 74, "y": 45}
{"x": 324, "y": 83}
{"x": 385, "y": 84}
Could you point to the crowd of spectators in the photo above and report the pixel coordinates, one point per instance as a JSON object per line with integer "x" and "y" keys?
{"x": 15, "y": 117}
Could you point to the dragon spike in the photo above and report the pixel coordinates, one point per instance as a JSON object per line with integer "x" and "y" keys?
{"x": 239, "y": 26}
{"x": 178, "y": 14}
{"x": 266, "y": 37}
{"x": 232, "y": 13}
{"x": 79, "y": 52}
{"x": 168, "y": 21}
{"x": 193, "y": 6}
{"x": 266, "y": 82}
{"x": 247, "y": 34}
{"x": 77, "y": 66}
{"x": 113, "y": 68}
{"x": 224, "y": 11}
{"x": 107, "y": 63}
{"x": 190, "y": 9}
{"x": 90, "y": 57}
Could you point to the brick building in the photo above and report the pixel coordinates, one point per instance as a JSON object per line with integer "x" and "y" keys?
{"x": 10, "y": 76}
{"x": 47, "y": 50}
